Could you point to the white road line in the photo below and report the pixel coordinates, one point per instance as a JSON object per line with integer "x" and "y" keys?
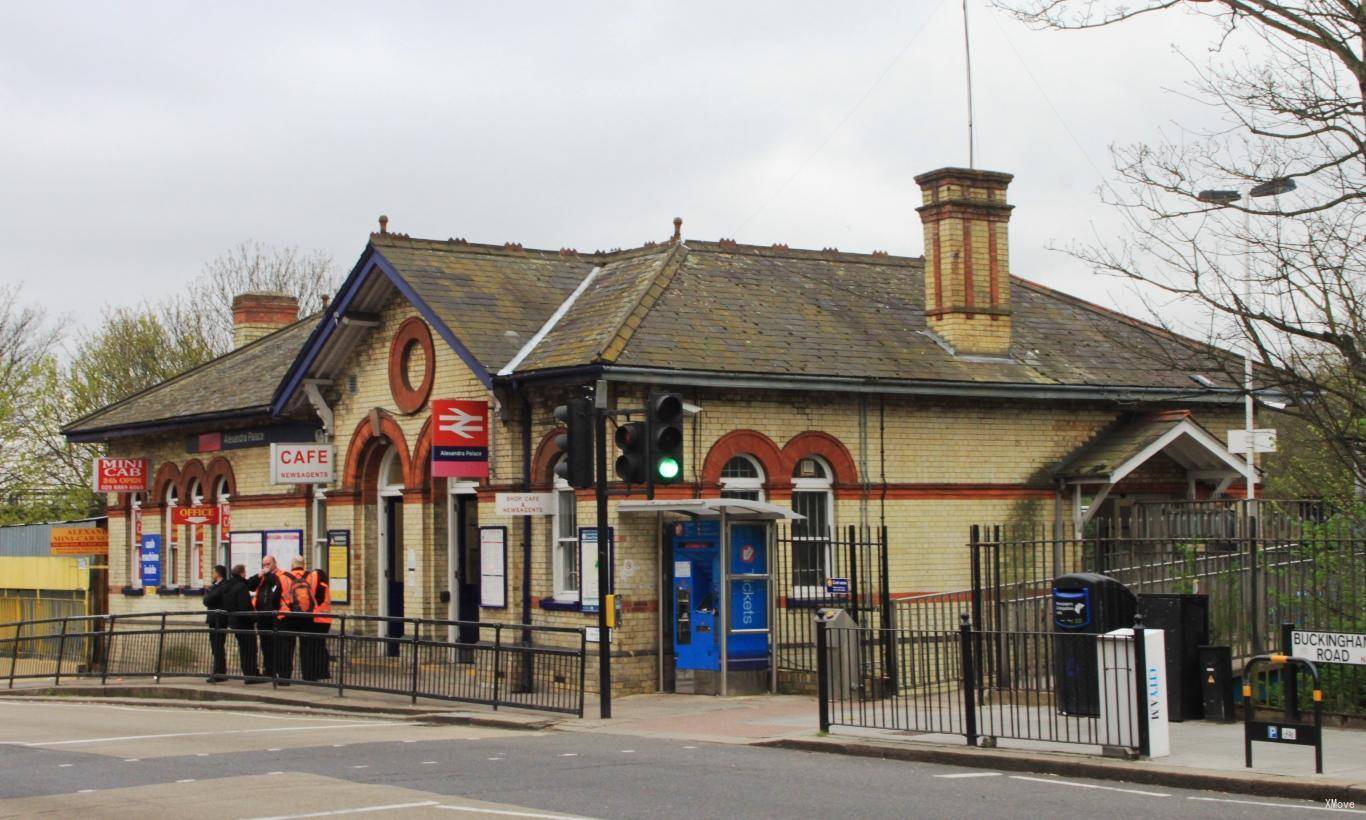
{"x": 512, "y": 813}
{"x": 969, "y": 774}
{"x": 274, "y": 773}
{"x": 217, "y": 732}
{"x": 360, "y": 810}
{"x": 84, "y": 791}
{"x": 131, "y": 759}
{"x": 273, "y": 749}
{"x": 21, "y": 701}
{"x": 569, "y": 754}
{"x": 65, "y": 765}
{"x": 1056, "y": 782}
{"x": 361, "y": 766}
{"x": 628, "y": 751}
{"x": 429, "y": 763}
{"x": 1343, "y": 810}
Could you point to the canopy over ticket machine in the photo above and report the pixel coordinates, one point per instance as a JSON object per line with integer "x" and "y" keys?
{"x": 718, "y": 562}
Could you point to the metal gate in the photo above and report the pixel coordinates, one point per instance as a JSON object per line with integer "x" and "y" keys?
{"x": 846, "y": 569}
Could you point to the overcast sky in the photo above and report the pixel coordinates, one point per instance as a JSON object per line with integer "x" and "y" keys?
{"x": 141, "y": 139}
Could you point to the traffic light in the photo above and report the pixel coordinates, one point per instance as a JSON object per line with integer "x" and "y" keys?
{"x": 633, "y": 463}
{"x": 664, "y": 413}
{"x": 576, "y": 443}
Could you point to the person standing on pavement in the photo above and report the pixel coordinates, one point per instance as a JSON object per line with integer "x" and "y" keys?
{"x": 218, "y": 623}
{"x": 268, "y": 586}
{"x": 296, "y": 616}
{"x": 313, "y": 659}
{"x": 237, "y": 601}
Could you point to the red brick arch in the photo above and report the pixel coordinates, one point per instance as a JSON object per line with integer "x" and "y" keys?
{"x": 746, "y": 443}
{"x": 167, "y": 473}
{"x": 418, "y": 473}
{"x": 221, "y": 468}
{"x": 193, "y": 471}
{"x": 363, "y": 453}
{"x": 815, "y": 443}
{"x": 544, "y": 459}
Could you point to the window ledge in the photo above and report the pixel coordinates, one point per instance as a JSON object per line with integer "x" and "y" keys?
{"x": 132, "y": 592}
{"x": 554, "y": 605}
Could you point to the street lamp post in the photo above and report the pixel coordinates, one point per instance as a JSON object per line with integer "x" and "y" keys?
{"x": 1273, "y": 187}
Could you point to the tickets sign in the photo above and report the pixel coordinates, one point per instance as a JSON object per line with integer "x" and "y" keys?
{"x": 194, "y": 515}
{"x": 460, "y": 438}
{"x": 302, "y": 464}
{"x": 121, "y": 475}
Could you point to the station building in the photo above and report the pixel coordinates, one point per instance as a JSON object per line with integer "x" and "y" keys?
{"x": 855, "y": 389}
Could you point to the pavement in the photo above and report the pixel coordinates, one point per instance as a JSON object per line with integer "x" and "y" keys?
{"x": 95, "y": 759}
{"x": 1205, "y": 755}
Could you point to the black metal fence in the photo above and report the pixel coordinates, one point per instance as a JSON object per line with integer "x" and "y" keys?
{"x": 985, "y": 684}
{"x": 530, "y": 667}
{"x": 1309, "y": 571}
{"x": 844, "y": 569}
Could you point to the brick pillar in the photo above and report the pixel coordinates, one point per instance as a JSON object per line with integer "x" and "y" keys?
{"x": 967, "y": 258}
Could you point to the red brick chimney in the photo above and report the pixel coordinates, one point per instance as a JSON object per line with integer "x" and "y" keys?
{"x": 257, "y": 314}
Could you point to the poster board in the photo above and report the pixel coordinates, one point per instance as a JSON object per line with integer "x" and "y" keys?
{"x": 284, "y": 545}
{"x": 339, "y": 565}
{"x": 588, "y": 566}
{"x": 493, "y": 581}
{"x": 247, "y": 548}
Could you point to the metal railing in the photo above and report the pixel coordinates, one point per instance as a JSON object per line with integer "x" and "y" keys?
{"x": 530, "y": 667}
{"x": 985, "y": 684}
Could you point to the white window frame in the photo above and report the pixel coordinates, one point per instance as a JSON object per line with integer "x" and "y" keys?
{"x": 747, "y": 486}
{"x": 134, "y": 548}
{"x": 824, "y": 485}
{"x": 194, "y": 566}
{"x": 169, "y": 546}
{"x": 221, "y": 497}
{"x": 564, "y": 590}
{"x": 386, "y": 490}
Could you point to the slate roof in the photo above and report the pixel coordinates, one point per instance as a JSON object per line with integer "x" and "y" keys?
{"x": 483, "y": 291}
{"x": 1131, "y": 434}
{"x": 730, "y": 308}
{"x": 239, "y": 383}
{"x": 708, "y": 307}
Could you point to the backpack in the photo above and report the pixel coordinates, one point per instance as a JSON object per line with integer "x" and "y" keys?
{"x": 301, "y": 595}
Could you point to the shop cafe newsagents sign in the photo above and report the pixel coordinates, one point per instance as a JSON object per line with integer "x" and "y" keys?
{"x": 302, "y": 463}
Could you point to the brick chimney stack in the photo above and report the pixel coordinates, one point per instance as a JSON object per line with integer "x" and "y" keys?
{"x": 257, "y": 314}
{"x": 967, "y": 258}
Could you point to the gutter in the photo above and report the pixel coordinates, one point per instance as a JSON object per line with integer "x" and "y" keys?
{"x": 841, "y": 384}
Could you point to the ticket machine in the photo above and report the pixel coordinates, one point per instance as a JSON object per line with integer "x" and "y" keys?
{"x": 709, "y": 600}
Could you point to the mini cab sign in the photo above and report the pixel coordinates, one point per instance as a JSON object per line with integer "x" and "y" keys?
{"x": 460, "y": 438}
{"x": 121, "y": 475}
{"x": 302, "y": 463}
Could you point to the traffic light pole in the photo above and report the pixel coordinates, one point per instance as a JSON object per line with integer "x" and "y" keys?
{"x": 604, "y": 553}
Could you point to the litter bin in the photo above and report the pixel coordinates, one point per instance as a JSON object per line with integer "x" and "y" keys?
{"x": 842, "y": 652}
{"x": 1216, "y": 683}
{"x": 1185, "y": 620}
{"x": 1084, "y": 603}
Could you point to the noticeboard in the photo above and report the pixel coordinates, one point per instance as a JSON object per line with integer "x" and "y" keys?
{"x": 493, "y": 581}
{"x": 339, "y": 565}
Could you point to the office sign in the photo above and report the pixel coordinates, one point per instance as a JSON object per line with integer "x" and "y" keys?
{"x": 1329, "y": 647}
{"x": 460, "y": 438}
{"x": 302, "y": 463}
{"x": 79, "y": 541}
{"x": 194, "y": 515}
{"x": 149, "y": 560}
{"x": 121, "y": 475}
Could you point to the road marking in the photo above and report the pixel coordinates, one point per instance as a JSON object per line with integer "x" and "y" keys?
{"x": 1056, "y": 782}
{"x": 131, "y": 759}
{"x": 84, "y": 791}
{"x": 1342, "y": 810}
{"x": 429, "y": 763}
{"x": 186, "y": 780}
{"x": 969, "y": 774}
{"x": 201, "y": 754}
{"x": 218, "y": 732}
{"x": 569, "y": 754}
{"x": 628, "y": 751}
{"x": 360, "y": 810}
{"x": 495, "y": 758}
{"x": 273, "y": 749}
{"x": 65, "y": 765}
{"x": 512, "y": 813}
{"x": 361, "y": 766}
{"x": 274, "y": 773}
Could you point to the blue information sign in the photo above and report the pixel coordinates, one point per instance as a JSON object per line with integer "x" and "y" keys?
{"x": 149, "y": 558}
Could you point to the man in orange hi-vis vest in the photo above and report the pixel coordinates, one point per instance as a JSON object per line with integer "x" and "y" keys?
{"x": 313, "y": 655}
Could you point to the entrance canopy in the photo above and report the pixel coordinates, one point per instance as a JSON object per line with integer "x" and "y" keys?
{"x": 735, "y": 509}
{"x": 1108, "y": 459}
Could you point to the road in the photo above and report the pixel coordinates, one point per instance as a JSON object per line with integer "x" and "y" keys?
{"x": 102, "y": 760}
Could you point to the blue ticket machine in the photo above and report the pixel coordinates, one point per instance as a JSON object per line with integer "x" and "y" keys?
{"x": 697, "y": 606}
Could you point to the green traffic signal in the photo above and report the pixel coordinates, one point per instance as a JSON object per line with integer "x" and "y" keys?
{"x": 667, "y": 468}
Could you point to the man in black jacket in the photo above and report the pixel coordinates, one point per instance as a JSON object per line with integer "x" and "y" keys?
{"x": 218, "y": 622}
{"x": 237, "y": 601}
{"x": 268, "y": 587}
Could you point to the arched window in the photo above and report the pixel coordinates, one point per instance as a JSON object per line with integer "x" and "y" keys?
{"x": 391, "y": 473}
{"x": 743, "y": 477}
{"x": 170, "y": 549}
{"x": 564, "y": 545}
{"x": 812, "y": 497}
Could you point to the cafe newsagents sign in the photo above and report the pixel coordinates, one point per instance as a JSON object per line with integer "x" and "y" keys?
{"x": 302, "y": 464}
